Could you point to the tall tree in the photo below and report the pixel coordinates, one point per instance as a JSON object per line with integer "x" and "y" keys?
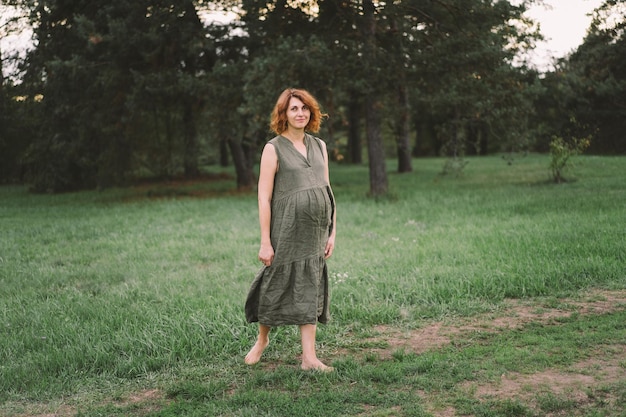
{"x": 226, "y": 119}
{"x": 122, "y": 91}
{"x": 376, "y": 151}
{"x": 331, "y": 50}
{"x": 464, "y": 71}
{"x": 354, "y": 145}
{"x": 400, "y": 47}
{"x": 595, "y": 75}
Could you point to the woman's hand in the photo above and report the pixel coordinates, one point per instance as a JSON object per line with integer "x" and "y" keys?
{"x": 330, "y": 246}
{"x": 266, "y": 254}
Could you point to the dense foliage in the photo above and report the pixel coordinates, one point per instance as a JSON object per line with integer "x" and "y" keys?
{"x": 123, "y": 90}
{"x": 585, "y": 95}
{"x": 599, "y": 72}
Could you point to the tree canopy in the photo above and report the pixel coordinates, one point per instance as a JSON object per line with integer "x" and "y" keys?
{"x": 126, "y": 89}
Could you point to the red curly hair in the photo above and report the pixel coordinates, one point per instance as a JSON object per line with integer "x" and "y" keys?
{"x": 278, "y": 121}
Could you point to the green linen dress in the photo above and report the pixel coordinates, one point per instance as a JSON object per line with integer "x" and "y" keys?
{"x": 294, "y": 289}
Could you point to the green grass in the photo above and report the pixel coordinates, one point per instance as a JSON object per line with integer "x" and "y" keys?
{"x": 107, "y": 294}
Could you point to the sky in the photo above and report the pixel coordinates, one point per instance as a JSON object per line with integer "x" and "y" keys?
{"x": 562, "y": 22}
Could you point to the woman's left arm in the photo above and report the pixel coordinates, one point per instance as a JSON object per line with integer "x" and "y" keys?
{"x": 330, "y": 244}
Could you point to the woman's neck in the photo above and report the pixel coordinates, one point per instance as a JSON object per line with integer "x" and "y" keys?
{"x": 294, "y": 135}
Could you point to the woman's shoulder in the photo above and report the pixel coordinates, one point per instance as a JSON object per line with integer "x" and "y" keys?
{"x": 314, "y": 137}
{"x": 319, "y": 141}
{"x": 275, "y": 142}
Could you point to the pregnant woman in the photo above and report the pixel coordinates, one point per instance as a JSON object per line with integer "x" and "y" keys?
{"x": 298, "y": 227}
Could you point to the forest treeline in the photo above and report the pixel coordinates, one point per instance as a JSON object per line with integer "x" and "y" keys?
{"x": 118, "y": 90}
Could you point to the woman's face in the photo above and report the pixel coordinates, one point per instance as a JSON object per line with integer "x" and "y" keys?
{"x": 298, "y": 114}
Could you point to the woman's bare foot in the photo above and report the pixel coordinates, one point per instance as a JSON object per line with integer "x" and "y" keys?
{"x": 315, "y": 365}
{"x": 254, "y": 356}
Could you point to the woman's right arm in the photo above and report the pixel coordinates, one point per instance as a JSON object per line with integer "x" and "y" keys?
{"x": 269, "y": 165}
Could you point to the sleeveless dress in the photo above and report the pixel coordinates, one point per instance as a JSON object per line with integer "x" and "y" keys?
{"x": 294, "y": 289}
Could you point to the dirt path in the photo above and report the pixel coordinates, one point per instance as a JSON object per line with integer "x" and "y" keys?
{"x": 574, "y": 383}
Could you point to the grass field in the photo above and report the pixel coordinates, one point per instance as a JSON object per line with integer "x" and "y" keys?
{"x": 497, "y": 293}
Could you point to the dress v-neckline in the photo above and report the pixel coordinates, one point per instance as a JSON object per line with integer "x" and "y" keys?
{"x": 306, "y": 148}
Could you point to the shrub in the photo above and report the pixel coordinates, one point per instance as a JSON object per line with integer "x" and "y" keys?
{"x": 561, "y": 151}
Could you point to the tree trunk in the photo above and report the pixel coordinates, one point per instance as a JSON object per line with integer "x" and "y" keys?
{"x": 224, "y": 160}
{"x": 404, "y": 141}
{"x": 355, "y": 151}
{"x": 375, "y": 149}
{"x": 483, "y": 142}
{"x": 190, "y": 133}
{"x": 333, "y": 152}
{"x": 245, "y": 176}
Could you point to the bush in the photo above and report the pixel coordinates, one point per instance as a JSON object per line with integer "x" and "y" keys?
{"x": 561, "y": 151}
